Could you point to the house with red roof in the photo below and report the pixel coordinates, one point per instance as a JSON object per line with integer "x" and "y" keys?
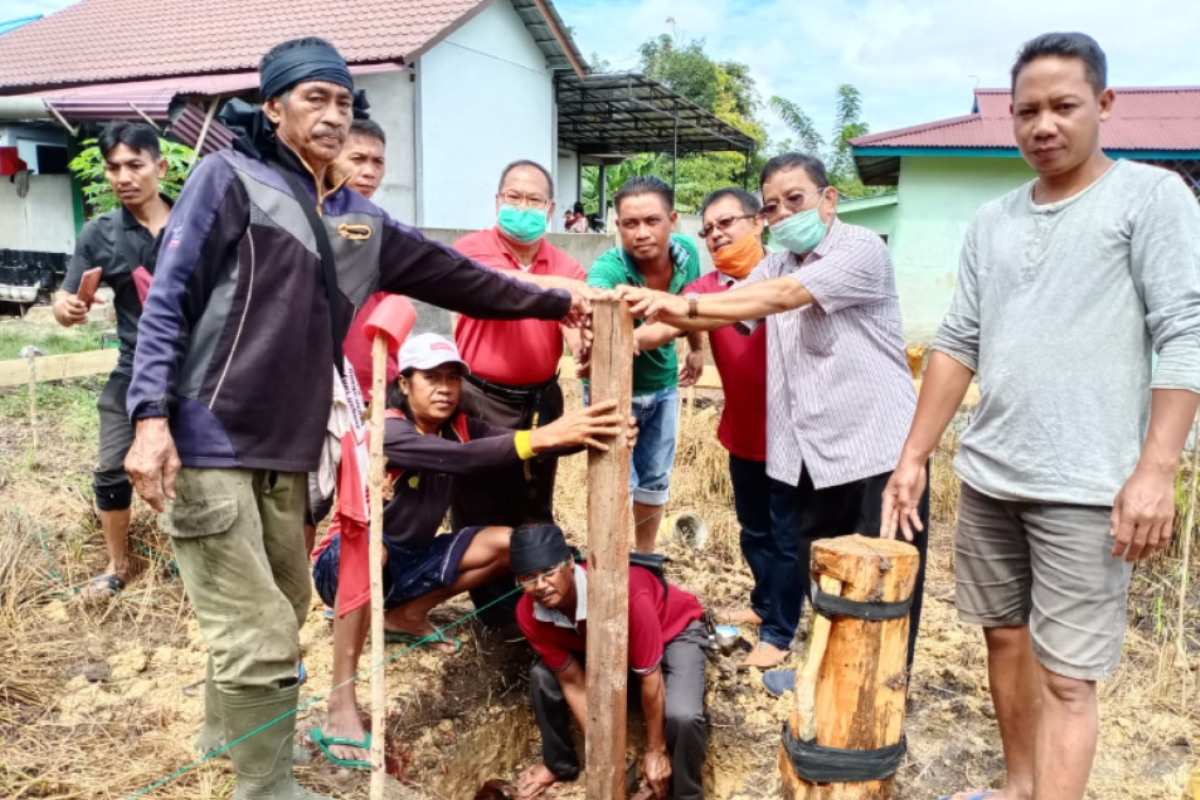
{"x": 944, "y": 171}
{"x": 461, "y": 88}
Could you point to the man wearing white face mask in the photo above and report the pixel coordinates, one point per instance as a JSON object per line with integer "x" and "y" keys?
{"x": 514, "y": 364}
{"x": 840, "y": 396}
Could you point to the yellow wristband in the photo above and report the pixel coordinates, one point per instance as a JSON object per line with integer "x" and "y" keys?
{"x": 524, "y": 443}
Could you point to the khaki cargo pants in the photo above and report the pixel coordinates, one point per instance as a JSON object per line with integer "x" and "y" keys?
{"x": 238, "y": 536}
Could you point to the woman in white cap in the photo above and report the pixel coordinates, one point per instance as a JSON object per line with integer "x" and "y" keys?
{"x": 427, "y": 442}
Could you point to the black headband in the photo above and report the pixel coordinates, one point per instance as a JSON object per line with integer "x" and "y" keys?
{"x": 310, "y": 62}
{"x": 537, "y": 547}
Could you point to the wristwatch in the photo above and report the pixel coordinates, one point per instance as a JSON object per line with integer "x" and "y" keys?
{"x": 693, "y": 299}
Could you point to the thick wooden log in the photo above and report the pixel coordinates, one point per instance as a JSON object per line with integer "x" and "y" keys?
{"x": 858, "y": 700}
{"x": 609, "y": 526}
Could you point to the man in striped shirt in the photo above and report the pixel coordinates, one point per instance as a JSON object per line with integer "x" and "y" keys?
{"x": 839, "y": 391}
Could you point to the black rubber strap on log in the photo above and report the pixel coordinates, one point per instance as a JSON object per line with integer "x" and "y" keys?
{"x": 817, "y": 764}
{"x": 831, "y": 605}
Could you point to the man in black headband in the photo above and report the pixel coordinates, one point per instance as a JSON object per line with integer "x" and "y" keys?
{"x": 266, "y": 255}
{"x": 666, "y": 653}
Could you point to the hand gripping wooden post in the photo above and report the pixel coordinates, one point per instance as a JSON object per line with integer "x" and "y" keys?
{"x": 387, "y": 328}
{"x": 609, "y": 528}
{"x": 851, "y": 689}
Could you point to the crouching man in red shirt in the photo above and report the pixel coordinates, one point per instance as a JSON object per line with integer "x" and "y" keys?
{"x": 666, "y": 651}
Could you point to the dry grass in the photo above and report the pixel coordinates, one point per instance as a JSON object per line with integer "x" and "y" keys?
{"x": 90, "y": 702}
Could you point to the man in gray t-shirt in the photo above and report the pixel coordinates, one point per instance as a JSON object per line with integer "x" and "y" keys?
{"x": 1066, "y": 287}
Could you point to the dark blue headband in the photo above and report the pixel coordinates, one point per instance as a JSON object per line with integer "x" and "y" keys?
{"x": 310, "y": 62}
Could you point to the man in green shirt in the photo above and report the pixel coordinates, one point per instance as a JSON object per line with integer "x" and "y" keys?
{"x": 651, "y": 256}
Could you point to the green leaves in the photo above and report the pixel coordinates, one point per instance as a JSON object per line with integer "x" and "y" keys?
{"x": 99, "y": 197}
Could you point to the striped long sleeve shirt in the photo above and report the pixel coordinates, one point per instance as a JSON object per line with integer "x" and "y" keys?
{"x": 840, "y": 397}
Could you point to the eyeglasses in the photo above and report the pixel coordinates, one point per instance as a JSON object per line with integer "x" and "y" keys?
{"x": 515, "y": 198}
{"x": 536, "y": 577}
{"x": 794, "y": 203}
{"x": 723, "y": 224}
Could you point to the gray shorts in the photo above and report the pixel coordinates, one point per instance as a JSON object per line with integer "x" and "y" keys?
{"x": 1049, "y": 566}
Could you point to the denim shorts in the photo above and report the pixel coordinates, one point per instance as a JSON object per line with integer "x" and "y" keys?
{"x": 410, "y": 571}
{"x": 654, "y": 454}
{"x": 657, "y": 416}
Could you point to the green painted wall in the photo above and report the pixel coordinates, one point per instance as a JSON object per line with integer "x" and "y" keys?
{"x": 881, "y": 219}
{"x": 938, "y": 199}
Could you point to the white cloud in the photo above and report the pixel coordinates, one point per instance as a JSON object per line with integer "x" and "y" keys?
{"x": 913, "y": 60}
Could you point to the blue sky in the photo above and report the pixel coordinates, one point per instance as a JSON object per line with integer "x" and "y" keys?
{"x": 913, "y": 60}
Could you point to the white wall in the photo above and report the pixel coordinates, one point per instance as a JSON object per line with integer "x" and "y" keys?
{"x": 392, "y": 97}
{"x": 566, "y": 185}
{"x": 43, "y": 220}
{"x": 484, "y": 98}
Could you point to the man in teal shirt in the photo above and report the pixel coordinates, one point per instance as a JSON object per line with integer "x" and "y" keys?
{"x": 651, "y": 256}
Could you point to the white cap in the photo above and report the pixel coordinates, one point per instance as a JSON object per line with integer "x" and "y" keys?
{"x": 427, "y": 351}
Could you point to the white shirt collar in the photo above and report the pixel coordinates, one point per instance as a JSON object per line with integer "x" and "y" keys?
{"x": 543, "y": 614}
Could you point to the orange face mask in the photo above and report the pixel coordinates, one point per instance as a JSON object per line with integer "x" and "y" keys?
{"x": 739, "y": 258}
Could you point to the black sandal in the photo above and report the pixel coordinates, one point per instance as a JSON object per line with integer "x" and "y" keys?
{"x": 106, "y": 585}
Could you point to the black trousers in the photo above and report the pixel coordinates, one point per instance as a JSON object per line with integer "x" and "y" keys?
{"x": 854, "y": 507}
{"x": 686, "y": 729}
{"x": 519, "y": 495}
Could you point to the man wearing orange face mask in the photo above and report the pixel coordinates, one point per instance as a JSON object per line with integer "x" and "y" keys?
{"x": 733, "y": 233}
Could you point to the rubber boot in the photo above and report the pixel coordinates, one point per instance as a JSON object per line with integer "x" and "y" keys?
{"x": 263, "y": 761}
{"x": 212, "y": 735}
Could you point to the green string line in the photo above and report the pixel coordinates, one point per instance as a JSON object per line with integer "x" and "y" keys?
{"x": 429, "y": 638}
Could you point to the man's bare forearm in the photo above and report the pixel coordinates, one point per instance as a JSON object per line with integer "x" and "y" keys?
{"x": 654, "y": 706}
{"x": 752, "y": 302}
{"x": 574, "y": 689}
{"x": 695, "y": 340}
{"x": 943, "y": 388}
{"x": 651, "y": 337}
{"x": 1171, "y": 415}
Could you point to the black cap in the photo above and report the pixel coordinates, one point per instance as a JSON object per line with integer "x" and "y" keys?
{"x": 537, "y": 547}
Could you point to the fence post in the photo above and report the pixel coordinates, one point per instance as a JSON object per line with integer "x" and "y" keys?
{"x": 609, "y": 529}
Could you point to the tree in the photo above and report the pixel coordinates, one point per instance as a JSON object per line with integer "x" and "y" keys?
{"x": 724, "y": 88}
{"x": 88, "y": 166}
{"x": 848, "y": 124}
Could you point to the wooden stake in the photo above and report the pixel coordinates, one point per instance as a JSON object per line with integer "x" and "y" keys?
{"x": 609, "y": 526}
{"x": 858, "y": 702}
{"x": 376, "y": 482}
{"x": 31, "y": 354}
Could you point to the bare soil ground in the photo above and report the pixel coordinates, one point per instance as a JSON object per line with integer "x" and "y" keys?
{"x": 93, "y": 703}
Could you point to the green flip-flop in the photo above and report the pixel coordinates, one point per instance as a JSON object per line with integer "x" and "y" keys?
{"x": 324, "y": 742}
{"x": 437, "y": 637}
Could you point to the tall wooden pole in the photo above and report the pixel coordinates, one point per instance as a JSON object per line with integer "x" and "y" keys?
{"x": 377, "y": 480}
{"x": 609, "y": 528}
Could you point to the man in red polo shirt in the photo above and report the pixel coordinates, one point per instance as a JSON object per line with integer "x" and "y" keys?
{"x": 514, "y": 363}
{"x": 733, "y": 233}
{"x": 666, "y": 652}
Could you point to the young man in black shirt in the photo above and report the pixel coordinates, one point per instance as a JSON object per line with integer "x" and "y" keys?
{"x": 124, "y": 244}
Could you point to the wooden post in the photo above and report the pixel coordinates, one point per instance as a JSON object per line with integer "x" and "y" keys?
{"x": 609, "y": 528}
{"x": 858, "y": 699}
{"x": 377, "y": 481}
{"x": 31, "y": 353}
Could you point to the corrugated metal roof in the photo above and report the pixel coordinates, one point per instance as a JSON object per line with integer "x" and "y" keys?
{"x": 110, "y": 40}
{"x": 1152, "y": 119}
{"x": 178, "y": 106}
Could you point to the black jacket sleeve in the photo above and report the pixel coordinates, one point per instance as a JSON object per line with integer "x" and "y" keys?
{"x": 412, "y": 265}
{"x": 407, "y": 448}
